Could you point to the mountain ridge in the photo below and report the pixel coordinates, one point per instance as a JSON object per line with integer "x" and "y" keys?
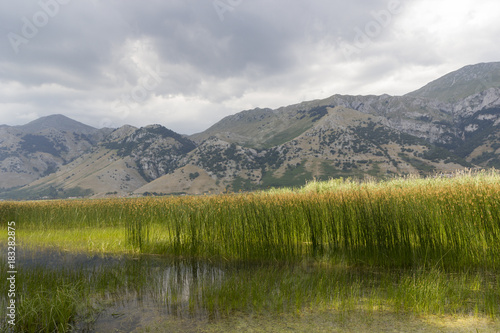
{"x": 465, "y": 82}
{"x": 59, "y": 122}
{"x": 446, "y": 125}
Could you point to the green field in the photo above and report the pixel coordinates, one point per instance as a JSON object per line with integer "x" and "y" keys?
{"x": 344, "y": 252}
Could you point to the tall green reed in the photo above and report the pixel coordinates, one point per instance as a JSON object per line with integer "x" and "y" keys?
{"x": 446, "y": 222}
{"x": 406, "y": 222}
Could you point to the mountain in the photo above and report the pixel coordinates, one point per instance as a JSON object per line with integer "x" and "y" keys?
{"x": 460, "y": 84}
{"x": 339, "y": 141}
{"x": 155, "y": 149}
{"x": 40, "y": 147}
{"x": 126, "y": 159}
{"x": 59, "y": 122}
{"x": 451, "y": 123}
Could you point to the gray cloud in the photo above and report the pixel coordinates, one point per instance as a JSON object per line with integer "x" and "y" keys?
{"x": 187, "y": 63}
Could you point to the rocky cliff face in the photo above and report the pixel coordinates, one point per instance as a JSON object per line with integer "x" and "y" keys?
{"x": 155, "y": 149}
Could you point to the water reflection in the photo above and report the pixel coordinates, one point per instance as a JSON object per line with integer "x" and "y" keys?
{"x": 126, "y": 293}
{"x": 129, "y": 291}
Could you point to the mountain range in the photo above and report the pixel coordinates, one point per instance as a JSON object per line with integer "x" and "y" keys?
{"x": 451, "y": 123}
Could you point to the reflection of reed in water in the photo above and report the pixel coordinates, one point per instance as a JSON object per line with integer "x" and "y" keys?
{"x": 62, "y": 290}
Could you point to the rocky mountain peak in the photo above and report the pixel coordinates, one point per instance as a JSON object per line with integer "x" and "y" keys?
{"x": 58, "y": 122}
{"x": 457, "y": 85}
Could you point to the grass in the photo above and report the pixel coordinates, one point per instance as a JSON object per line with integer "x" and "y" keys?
{"x": 55, "y": 298}
{"x": 91, "y": 240}
{"x": 421, "y": 246}
{"x": 445, "y": 222}
{"x": 47, "y": 301}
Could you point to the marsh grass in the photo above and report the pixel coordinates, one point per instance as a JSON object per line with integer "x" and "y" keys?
{"x": 411, "y": 245}
{"x": 445, "y": 222}
{"x": 407, "y": 222}
{"x": 91, "y": 240}
{"x": 49, "y": 310}
{"x": 450, "y": 222}
{"x": 48, "y": 301}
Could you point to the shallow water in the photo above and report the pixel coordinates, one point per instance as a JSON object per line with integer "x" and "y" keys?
{"x": 134, "y": 293}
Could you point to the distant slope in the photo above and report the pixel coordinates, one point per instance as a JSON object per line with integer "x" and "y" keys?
{"x": 127, "y": 159}
{"x": 155, "y": 150}
{"x": 462, "y": 83}
{"x": 265, "y": 128}
{"x": 41, "y": 147}
{"x": 189, "y": 179}
{"x": 59, "y": 122}
{"x": 97, "y": 173}
{"x": 341, "y": 143}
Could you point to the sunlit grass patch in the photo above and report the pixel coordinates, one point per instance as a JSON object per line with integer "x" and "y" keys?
{"x": 92, "y": 240}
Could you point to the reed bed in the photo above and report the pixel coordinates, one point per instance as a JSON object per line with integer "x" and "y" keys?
{"x": 419, "y": 245}
{"x": 450, "y": 222}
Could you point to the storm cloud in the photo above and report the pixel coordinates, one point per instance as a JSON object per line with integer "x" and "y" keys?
{"x": 187, "y": 63}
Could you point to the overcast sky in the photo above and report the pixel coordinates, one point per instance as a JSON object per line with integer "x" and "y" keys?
{"x": 186, "y": 64}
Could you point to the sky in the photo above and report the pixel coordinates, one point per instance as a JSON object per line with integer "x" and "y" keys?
{"x": 186, "y": 64}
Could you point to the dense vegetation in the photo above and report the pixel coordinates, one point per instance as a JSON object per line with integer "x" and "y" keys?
{"x": 428, "y": 246}
{"x": 450, "y": 222}
{"x": 38, "y": 143}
